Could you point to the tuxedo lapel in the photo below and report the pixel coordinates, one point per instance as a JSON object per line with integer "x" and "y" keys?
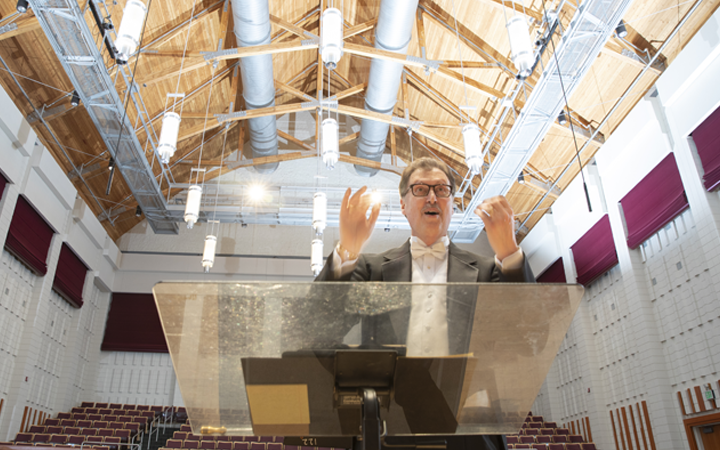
{"x": 462, "y": 266}
{"x": 397, "y": 264}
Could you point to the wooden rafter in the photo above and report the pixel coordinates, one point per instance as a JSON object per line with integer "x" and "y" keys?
{"x": 359, "y": 28}
{"x": 437, "y": 97}
{"x": 294, "y": 29}
{"x": 24, "y": 25}
{"x": 294, "y": 140}
{"x": 292, "y": 91}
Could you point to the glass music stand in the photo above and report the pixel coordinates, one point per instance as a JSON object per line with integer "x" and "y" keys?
{"x": 322, "y": 360}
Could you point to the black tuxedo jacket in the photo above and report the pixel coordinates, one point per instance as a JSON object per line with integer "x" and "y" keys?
{"x": 396, "y": 265}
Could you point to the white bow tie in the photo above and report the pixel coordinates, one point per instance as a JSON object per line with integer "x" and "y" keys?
{"x": 419, "y": 249}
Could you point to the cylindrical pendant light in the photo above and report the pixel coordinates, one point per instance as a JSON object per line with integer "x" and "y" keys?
{"x": 473, "y": 148}
{"x": 128, "y": 37}
{"x": 316, "y": 256}
{"x": 192, "y": 207}
{"x": 330, "y": 143}
{"x": 209, "y": 252}
{"x": 319, "y": 218}
{"x": 169, "y": 136}
{"x": 520, "y": 46}
{"x": 331, "y": 37}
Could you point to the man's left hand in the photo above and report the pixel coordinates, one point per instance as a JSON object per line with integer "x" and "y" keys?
{"x": 497, "y": 214}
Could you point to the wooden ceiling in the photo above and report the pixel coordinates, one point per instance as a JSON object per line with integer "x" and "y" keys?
{"x": 178, "y": 30}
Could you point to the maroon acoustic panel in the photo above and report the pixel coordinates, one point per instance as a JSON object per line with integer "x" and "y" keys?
{"x": 555, "y": 273}
{"x": 594, "y": 253}
{"x": 3, "y": 182}
{"x": 70, "y": 276}
{"x": 133, "y": 325}
{"x": 707, "y": 141}
{"x": 29, "y": 237}
{"x": 654, "y": 201}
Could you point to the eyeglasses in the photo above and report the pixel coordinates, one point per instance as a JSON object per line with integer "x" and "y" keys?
{"x": 422, "y": 190}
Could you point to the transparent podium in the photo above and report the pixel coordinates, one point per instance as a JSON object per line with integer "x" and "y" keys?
{"x": 318, "y": 360}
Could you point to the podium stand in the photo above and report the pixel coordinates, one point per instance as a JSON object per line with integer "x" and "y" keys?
{"x": 316, "y": 360}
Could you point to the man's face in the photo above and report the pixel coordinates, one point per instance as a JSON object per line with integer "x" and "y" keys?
{"x": 429, "y": 216}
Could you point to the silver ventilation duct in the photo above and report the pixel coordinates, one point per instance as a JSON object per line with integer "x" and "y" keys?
{"x": 392, "y": 33}
{"x": 252, "y": 27}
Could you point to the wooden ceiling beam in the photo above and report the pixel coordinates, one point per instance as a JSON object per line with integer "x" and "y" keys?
{"x": 444, "y": 19}
{"x": 193, "y": 21}
{"x": 301, "y": 23}
{"x": 468, "y": 65}
{"x": 273, "y": 111}
{"x": 294, "y": 140}
{"x": 634, "y": 49}
{"x": 294, "y": 29}
{"x": 349, "y": 138}
{"x": 437, "y": 97}
{"x": 350, "y": 91}
{"x": 292, "y": 91}
{"x": 24, "y": 25}
{"x": 359, "y": 28}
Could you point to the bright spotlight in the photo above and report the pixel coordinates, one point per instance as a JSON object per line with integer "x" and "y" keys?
{"x": 375, "y": 197}
{"x": 256, "y": 192}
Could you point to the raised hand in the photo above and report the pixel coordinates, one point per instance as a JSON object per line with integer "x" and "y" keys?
{"x": 497, "y": 214}
{"x": 355, "y": 226}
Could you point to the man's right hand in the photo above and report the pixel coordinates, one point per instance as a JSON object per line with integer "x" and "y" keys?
{"x": 355, "y": 226}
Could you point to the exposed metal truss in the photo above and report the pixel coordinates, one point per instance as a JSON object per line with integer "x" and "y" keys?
{"x": 589, "y": 30}
{"x": 68, "y": 33}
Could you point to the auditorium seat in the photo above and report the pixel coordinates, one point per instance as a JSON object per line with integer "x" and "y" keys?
{"x": 88, "y": 431}
{"x": 112, "y": 442}
{"x": 572, "y": 446}
{"x": 95, "y": 417}
{"x": 224, "y": 445}
{"x": 192, "y": 437}
{"x": 185, "y": 428}
{"x": 94, "y": 439}
{"x": 115, "y": 406}
{"x": 51, "y": 429}
{"x": 550, "y": 425}
{"x": 174, "y": 443}
{"x": 535, "y": 424}
{"x": 527, "y": 439}
{"x": 532, "y": 431}
{"x": 67, "y": 423}
{"x": 222, "y": 438}
{"x": 100, "y": 424}
{"x": 207, "y": 444}
{"x": 39, "y": 438}
{"x": 559, "y": 438}
{"x": 124, "y": 435}
{"x": 554, "y": 446}
{"x": 257, "y": 446}
{"x": 87, "y": 404}
{"x": 109, "y": 417}
{"x": 92, "y": 411}
{"x": 242, "y": 445}
{"x": 84, "y": 423}
{"x": 543, "y": 439}
{"x": 105, "y": 411}
{"x": 576, "y": 438}
{"x": 266, "y": 439}
{"x": 142, "y": 407}
{"x": 563, "y": 431}
{"x": 588, "y": 446}
{"x": 127, "y": 407}
{"x": 36, "y": 429}
{"x": 76, "y": 439}
{"x": 58, "y": 439}
{"x": 52, "y": 422}
{"x": 537, "y": 419}
{"x": 512, "y": 439}
{"x": 547, "y": 431}
{"x": 105, "y": 432}
{"x": 78, "y": 409}
{"x": 64, "y": 415}
{"x": 522, "y": 446}
{"x": 101, "y": 405}
{"x": 274, "y": 446}
{"x": 190, "y": 443}
{"x": 179, "y": 435}
{"x": 539, "y": 446}
{"x": 71, "y": 430}
{"x": 78, "y": 416}
{"x": 251, "y": 439}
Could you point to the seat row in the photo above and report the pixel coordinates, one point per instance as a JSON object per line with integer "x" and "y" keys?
{"x": 158, "y": 408}
{"x": 86, "y": 447}
{"x": 545, "y": 431}
{"x": 113, "y": 442}
{"x": 149, "y": 415}
{"x": 531, "y": 418}
{"x": 69, "y": 427}
{"x": 545, "y": 439}
{"x": 123, "y": 434}
{"x": 183, "y": 435}
{"x": 575, "y": 446}
{"x": 540, "y": 425}
{"x": 174, "y": 444}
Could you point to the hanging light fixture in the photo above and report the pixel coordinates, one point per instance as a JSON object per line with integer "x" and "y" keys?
{"x": 330, "y": 143}
{"x": 316, "y": 256}
{"x": 520, "y": 47}
{"x": 621, "y": 29}
{"x": 473, "y": 148}
{"x": 169, "y": 136}
{"x": 319, "y": 219}
{"x": 562, "y": 117}
{"x": 75, "y": 100}
{"x": 331, "y": 38}
{"x": 22, "y": 6}
{"x": 209, "y": 252}
{"x": 128, "y": 38}
{"x": 192, "y": 207}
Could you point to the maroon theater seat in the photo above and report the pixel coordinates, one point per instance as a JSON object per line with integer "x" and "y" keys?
{"x": 143, "y": 407}
{"x": 36, "y": 429}
{"x": 543, "y": 439}
{"x": 540, "y": 446}
{"x": 257, "y": 446}
{"x": 547, "y": 431}
{"x": 88, "y": 431}
{"x": 512, "y": 439}
{"x": 131, "y": 412}
{"x": 100, "y": 424}
{"x": 125, "y": 419}
{"x": 207, "y": 444}
{"x": 173, "y": 443}
{"x": 522, "y": 446}
{"x": 109, "y": 417}
{"x": 134, "y": 427}
{"x": 559, "y": 439}
{"x": 185, "y": 428}
{"x": 95, "y": 417}
{"x": 124, "y": 435}
{"x": 127, "y": 407}
{"x": 71, "y": 430}
{"x": 112, "y": 441}
{"x": 87, "y": 404}
{"x": 532, "y": 431}
{"x": 76, "y": 440}
{"x": 94, "y": 439}
{"x": 242, "y": 446}
{"x": 54, "y": 430}
{"x": 191, "y": 444}
{"x": 115, "y": 406}
{"x": 550, "y": 425}
{"x": 58, "y": 439}
{"x": 40, "y": 438}
{"x": 224, "y": 445}
{"x": 52, "y": 422}
{"x": 274, "y": 446}
{"x": 588, "y": 446}
{"x": 101, "y": 405}
{"x": 180, "y": 435}
{"x": 105, "y": 411}
{"x": 576, "y": 439}
{"x": 67, "y": 423}
{"x": 23, "y": 437}
{"x": 192, "y": 437}
{"x": 537, "y": 419}
{"x": 251, "y": 439}
{"x": 119, "y": 412}
{"x": 92, "y": 411}
{"x": 527, "y": 439}
{"x": 267, "y": 439}
{"x": 556, "y": 446}
{"x": 535, "y": 425}
{"x": 222, "y": 438}
{"x": 572, "y": 446}
{"x": 78, "y": 409}
{"x": 64, "y": 415}
{"x": 84, "y": 423}
{"x": 79, "y": 416}
{"x": 105, "y": 432}
{"x": 116, "y": 425}
{"x": 563, "y": 431}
